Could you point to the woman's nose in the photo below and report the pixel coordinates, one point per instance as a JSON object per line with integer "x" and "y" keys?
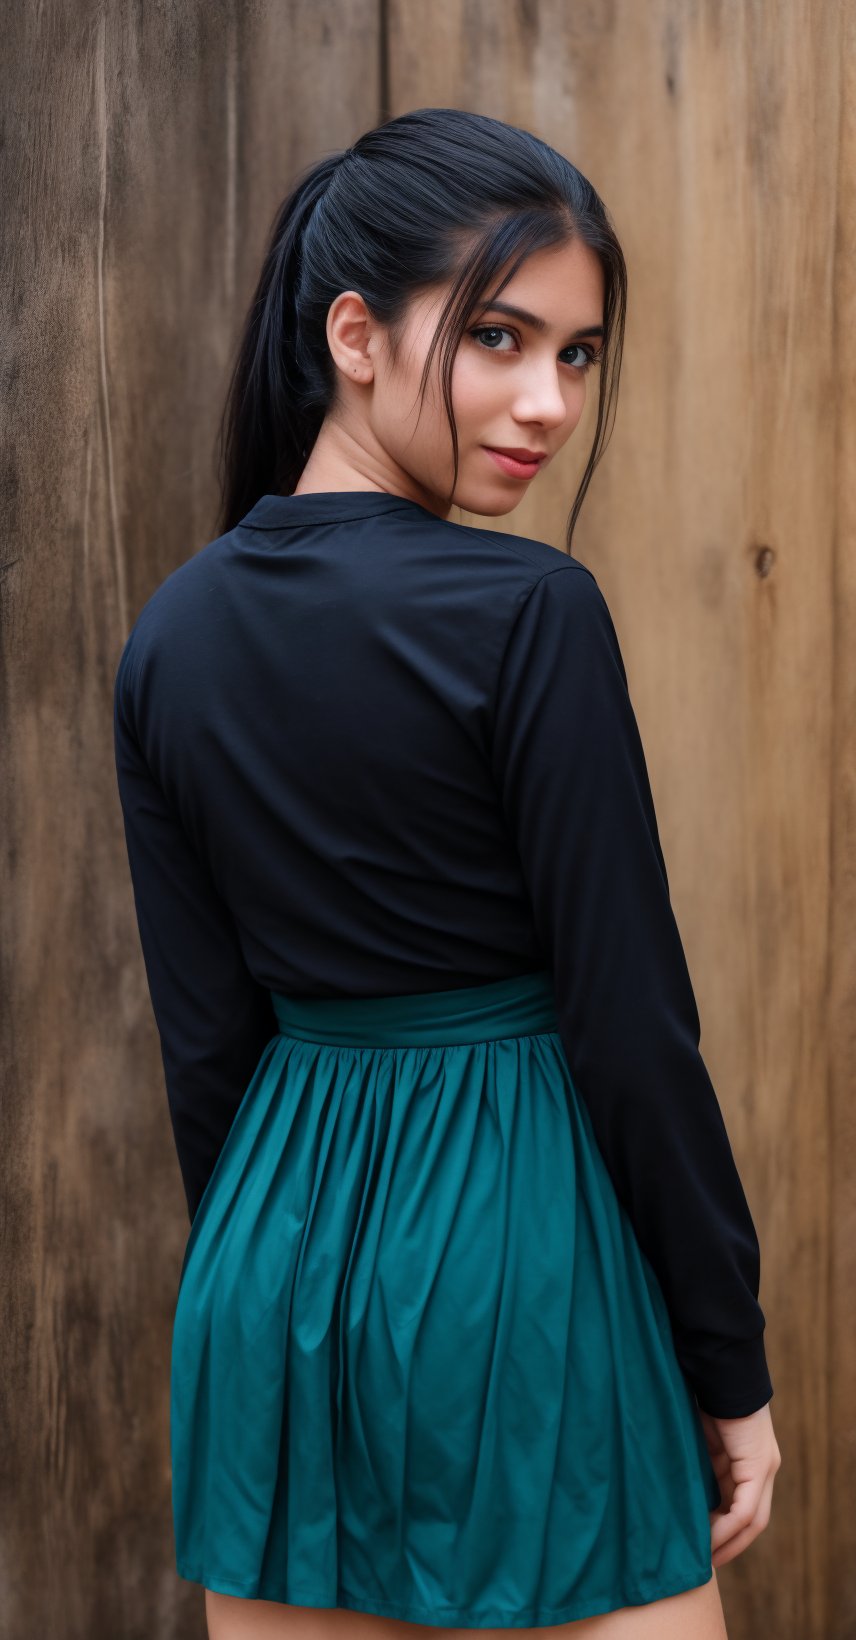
{"x": 545, "y": 402}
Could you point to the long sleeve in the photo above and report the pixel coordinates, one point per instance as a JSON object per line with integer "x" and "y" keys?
{"x": 569, "y": 764}
{"x": 212, "y": 1017}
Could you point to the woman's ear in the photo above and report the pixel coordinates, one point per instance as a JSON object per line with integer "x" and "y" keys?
{"x": 350, "y": 336}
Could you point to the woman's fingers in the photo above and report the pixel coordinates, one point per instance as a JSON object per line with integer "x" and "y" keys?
{"x": 739, "y": 1517}
{"x": 748, "y": 1516}
{"x": 745, "y": 1456}
{"x": 747, "y": 1534}
{"x": 735, "y": 1547}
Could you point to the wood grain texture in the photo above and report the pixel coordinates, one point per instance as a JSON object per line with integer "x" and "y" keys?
{"x": 719, "y": 136}
{"x": 144, "y": 155}
{"x": 837, "y": 1114}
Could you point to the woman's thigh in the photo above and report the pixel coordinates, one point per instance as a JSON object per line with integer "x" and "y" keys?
{"x": 694, "y": 1615}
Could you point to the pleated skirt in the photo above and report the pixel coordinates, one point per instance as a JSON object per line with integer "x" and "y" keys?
{"x": 420, "y": 1365}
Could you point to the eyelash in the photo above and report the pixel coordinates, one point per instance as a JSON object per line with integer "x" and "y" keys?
{"x": 592, "y": 357}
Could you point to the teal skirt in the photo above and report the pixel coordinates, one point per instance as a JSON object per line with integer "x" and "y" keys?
{"x": 420, "y": 1364}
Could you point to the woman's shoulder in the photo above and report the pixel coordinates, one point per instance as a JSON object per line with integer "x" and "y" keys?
{"x": 563, "y": 582}
{"x": 534, "y": 556}
{"x": 171, "y": 610}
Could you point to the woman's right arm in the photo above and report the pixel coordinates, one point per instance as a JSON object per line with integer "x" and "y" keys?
{"x": 571, "y": 772}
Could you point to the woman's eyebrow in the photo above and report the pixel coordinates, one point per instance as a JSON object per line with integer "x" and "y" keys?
{"x": 533, "y": 320}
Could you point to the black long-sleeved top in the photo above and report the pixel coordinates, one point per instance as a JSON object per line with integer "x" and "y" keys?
{"x": 363, "y": 750}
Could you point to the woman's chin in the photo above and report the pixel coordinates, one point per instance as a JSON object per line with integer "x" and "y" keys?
{"x": 489, "y": 504}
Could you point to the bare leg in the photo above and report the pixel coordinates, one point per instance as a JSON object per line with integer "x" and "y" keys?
{"x": 694, "y": 1615}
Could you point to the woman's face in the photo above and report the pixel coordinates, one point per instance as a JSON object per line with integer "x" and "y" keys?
{"x": 518, "y": 383}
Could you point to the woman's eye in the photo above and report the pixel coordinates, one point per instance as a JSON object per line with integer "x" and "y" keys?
{"x": 484, "y": 334}
{"x": 492, "y": 330}
{"x": 589, "y": 358}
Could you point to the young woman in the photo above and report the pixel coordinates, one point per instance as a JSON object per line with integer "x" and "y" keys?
{"x": 467, "y": 1331}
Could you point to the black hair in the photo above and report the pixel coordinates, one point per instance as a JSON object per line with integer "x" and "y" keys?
{"x": 433, "y": 196}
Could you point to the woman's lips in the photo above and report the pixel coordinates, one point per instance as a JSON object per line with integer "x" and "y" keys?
{"x": 513, "y": 467}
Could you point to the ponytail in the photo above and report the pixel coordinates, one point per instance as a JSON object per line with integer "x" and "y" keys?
{"x": 277, "y": 395}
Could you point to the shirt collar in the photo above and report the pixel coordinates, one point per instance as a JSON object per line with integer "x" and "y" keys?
{"x": 279, "y": 512}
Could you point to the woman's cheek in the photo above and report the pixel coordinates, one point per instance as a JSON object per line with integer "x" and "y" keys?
{"x": 474, "y": 389}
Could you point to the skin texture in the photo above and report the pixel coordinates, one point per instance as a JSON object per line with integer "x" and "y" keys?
{"x": 516, "y": 386}
{"x": 694, "y": 1615}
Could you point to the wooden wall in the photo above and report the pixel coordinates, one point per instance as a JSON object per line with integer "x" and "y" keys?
{"x": 145, "y": 151}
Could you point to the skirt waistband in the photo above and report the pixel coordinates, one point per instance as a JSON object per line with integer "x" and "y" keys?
{"x": 523, "y": 1005}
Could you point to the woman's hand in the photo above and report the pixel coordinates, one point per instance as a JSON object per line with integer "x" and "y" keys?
{"x": 746, "y": 1459}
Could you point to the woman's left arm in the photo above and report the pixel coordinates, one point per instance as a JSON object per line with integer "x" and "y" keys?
{"x": 214, "y": 1019}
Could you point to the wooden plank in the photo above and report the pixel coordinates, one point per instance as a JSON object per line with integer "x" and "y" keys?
{"x": 145, "y": 155}
{"x": 717, "y": 528}
{"x": 838, "y": 1575}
